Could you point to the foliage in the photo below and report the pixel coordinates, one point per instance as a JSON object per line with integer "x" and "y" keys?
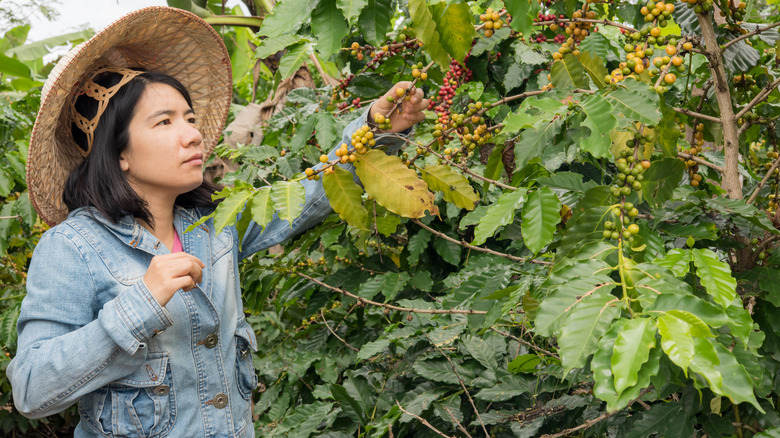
{"x": 580, "y": 239}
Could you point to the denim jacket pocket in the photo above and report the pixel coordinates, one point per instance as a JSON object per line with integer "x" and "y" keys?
{"x": 245, "y": 370}
{"x": 141, "y": 404}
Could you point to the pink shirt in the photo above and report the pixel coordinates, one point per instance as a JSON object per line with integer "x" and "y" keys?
{"x": 176, "y": 243}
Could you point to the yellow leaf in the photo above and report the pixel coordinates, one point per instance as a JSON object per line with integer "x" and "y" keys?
{"x": 455, "y": 188}
{"x": 393, "y": 185}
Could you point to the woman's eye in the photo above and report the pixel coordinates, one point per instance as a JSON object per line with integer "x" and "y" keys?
{"x": 191, "y": 120}
{"x": 164, "y": 122}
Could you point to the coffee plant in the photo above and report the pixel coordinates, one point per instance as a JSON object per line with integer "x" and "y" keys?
{"x": 579, "y": 240}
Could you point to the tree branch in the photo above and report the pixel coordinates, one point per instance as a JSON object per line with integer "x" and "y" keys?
{"x": 750, "y": 34}
{"x": 731, "y": 181}
{"x": 422, "y": 420}
{"x": 759, "y": 97}
{"x": 334, "y": 333}
{"x": 390, "y": 306}
{"x": 462, "y": 385}
{"x": 700, "y": 160}
{"x": 593, "y": 421}
{"x": 586, "y": 20}
{"x": 526, "y": 343}
{"x": 479, "y": 248}
{"x": 697, "y": 115}
{"x": 764, "y": 180}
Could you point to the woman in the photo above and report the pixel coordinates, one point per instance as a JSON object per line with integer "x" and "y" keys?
{"x": 141, "y": 324}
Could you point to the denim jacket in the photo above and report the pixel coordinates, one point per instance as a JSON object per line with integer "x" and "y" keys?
{"x": 91, "y": 332}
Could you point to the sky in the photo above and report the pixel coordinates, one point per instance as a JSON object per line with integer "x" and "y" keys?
{"x": 76, "y": 15}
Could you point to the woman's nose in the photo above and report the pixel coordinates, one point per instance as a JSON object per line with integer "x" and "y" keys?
{"x": 191, "y": 136}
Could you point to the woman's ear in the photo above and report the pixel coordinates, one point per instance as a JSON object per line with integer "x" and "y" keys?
{"x": 123, "y": 163}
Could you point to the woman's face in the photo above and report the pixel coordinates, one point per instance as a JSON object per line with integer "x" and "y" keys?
{"x": 164, "y": 157}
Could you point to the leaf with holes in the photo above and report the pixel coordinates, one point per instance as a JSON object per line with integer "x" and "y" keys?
{"x": 288, "y": 198}
{"x": 393, "y": 185}
{"x": 454, "y": 187}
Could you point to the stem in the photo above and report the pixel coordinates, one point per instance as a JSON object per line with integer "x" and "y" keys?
{"x": 586, "y": 20}
{"x": 750, "y": 34}
{"x": 479, "y": 248}
{"x": 697, "y": 115}
{"x": 462, "y": 385}
{"x": 764, "y": 181}
{"x": 731, "y": 181}
{"x": 334, "y": 333}
{"x": 422, "y": 420}
{"x": 759, "y": 97}
{"x": 700, "y": 160}
{"x": 390, "y": 306}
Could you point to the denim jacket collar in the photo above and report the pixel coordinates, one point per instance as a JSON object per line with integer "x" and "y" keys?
{"x": 133, "y": 234}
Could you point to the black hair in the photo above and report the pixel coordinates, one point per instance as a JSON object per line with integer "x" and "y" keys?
{"x": 98, "y": 181}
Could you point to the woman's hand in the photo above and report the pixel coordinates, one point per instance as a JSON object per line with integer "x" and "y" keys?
{"x": 170, "y": 272}
{"x": 411, "y": 110}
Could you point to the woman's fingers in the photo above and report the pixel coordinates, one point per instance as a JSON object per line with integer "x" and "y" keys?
{"x": 170, "y": 272}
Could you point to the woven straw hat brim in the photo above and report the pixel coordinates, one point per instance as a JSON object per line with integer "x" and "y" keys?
{"x": 157, "y": 38}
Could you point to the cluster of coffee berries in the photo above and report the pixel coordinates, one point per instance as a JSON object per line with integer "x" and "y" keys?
{"x": 628, "y": 179}
{"x": 578, "y": 30}
{"x": 565, "y": 48}
{"x": 491, "y": 22}
{"x": 357, "y": 51}
{"x": 418, "y": 73}
{"x": 745, "y": 85}
{"x": 456, "y": 75}
{"x": 362, "y": 139}
{"x": 699, "y": 6}
{"x": 691, "y": 166}
{"x": 470, "y": 128}
{"x": 382, "y": 122}
{"x": 660, "y": 11}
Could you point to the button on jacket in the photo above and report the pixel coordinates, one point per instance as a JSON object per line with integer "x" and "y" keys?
{"x": 91, "y": 332}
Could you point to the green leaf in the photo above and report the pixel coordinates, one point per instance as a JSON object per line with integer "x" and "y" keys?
{"x": 288, "y": 198}
{"x": 589, "y": 319}
{"x": 8, "y": 325}
{"x": 597, "y": 45}
{"x": 667, "y": 131}
{"x": 501, "y": 213}
{"x": 715, "y": 276}
{"x": 602, "y": 372}
{"x": 632, "y": 349}
{"x": 374, "y": 20}
{"x": 533, "y": 141}
{"x": 346, "y": 197}
{"x": 24, "y": 208}
{"x": 454, "y": 22}
{"x": 425, "y": 29}
{"x": 329, "y": 25}
{"x": 286, "y": 16}
{"x": 454, "y": 187}
{"x": 388, "y": 284}
{"x": 269, "y": 46}
{"x": 660, "y": 180}
{"x": 292, "y": 61}
{"x": 600, "y": 121}
{"x": 594, "y": 66}
{"x": 705, "y": 362}
{"x": 711, "y": 314}
{"x": 6, "y": 182}
{"x": 678, "y": 329}
{"x": 437, "y": 371}
{"x": 541, "y": 216}
{"x": 369, "y": 86}
{"x": 737, "y": 384}
{"x": 349, "y": 406}
{"x": 636, "y": 101}
{"x": 480, "y": 350}
{"x": 327, "y": 130}
{"x": 449, "y": 251}
{"x": 523, "y": 13}
{"x": 504, "y": 390}
{"x": 306, "y": 419}
{"x": 14, "y": 67}
{"x": 262, "y": 207}
{"x": 417, "y": 245}
{"x": 393, "y": 185}
{"x": 556, "y": 308}
{"x": 568, "y": 73}
{"x": 660, "y": 419}
{"x": 370, "y": 349}
{"x": 525, "y": 363}
{"x": 39, "y": 49}
{"x": 227, "y": 210}
{"x": 351, "y": 8}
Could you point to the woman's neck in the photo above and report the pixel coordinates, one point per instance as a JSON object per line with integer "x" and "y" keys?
{"x": 161, "y": 212}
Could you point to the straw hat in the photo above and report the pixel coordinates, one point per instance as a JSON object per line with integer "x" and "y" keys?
{"x": 156, "y": 38}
